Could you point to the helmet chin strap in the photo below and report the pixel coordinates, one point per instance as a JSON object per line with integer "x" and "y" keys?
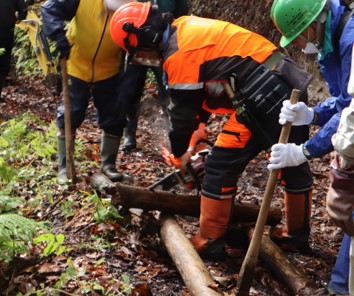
{"x": 317, "y": 42}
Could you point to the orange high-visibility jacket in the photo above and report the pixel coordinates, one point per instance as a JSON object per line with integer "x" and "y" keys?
{"x": 202, "y": 50}
{"x": 199, "y": 52}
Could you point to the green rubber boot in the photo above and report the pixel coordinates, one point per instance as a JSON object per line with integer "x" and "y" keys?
{"x": 62, "y": 173}
{"x": 129, "y": 142}
{"x": 109, "y": 151}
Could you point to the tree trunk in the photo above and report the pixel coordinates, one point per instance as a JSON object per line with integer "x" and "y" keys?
{"x": 170, "y": 203}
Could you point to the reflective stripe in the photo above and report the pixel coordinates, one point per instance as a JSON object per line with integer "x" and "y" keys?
{"x": 219, "y": 196}
{"x": 187, "y": 86}
{"x": 203, "y": 50}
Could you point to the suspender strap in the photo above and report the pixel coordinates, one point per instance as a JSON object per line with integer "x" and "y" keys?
{"x": 343, "y": 21}
{"x": 272, "y": 60}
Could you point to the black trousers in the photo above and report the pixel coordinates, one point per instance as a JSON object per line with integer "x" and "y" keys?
{"x": 6, "y": 42}
{"x": 111, "y": 108}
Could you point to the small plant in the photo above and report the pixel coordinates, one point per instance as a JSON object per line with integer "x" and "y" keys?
{"x": 23, "y": 151}
{"x": 54, "y": 244}
{"x": 2, "y": 51}
{"x": 126, "y": 287}
{"x": 105, "y": 211}
{"x": 16, "y": 233}
{"x": 9, "y": 204}
{"x": 26, "y": 61}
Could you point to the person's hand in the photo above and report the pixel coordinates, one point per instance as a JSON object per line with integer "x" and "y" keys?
{"x": 286, "y": 155}
{"x": 171, "y": 160}
{"x": 298, "y": 114}
{"x": 199, "y": 134}
{"x": 63, "y": 46}
{"x": 340, "y": 197}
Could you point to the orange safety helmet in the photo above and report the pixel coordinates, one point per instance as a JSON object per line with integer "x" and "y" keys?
{"x": 126, "y": 21}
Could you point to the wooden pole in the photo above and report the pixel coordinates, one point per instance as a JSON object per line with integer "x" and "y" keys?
{"x": 249, "y": 263}
{"x": 69, "y": 145}
{"x": 190, "y": 266}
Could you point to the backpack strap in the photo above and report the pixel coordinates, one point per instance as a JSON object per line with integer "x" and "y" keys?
{"x": 343, "y": 21}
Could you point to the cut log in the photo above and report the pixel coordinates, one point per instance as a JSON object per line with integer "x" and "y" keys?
{"x": 282, "y": 268}
{"x": 170, "y": 203}
{"x": 194, "y": 273}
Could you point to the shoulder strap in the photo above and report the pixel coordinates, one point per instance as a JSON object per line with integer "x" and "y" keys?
{"x": 343, "y": 21}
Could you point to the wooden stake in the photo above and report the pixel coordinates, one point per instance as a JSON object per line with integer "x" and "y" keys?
{"x": 69, "y": 145}
{"x": 249, "y": 263}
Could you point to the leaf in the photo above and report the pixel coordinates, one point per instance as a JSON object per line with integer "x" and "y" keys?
{"x": 46, "y": 237}
{"x": 60, "y": 238}
{"x": 98, "y": 287}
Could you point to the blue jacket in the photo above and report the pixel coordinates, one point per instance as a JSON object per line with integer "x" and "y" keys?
{"x": 335, "y": 69}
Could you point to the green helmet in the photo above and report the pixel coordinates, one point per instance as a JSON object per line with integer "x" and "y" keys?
{"x": 291, "y": 17}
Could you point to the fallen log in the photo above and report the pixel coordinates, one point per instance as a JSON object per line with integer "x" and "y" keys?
{"x": 197, "y": 277}
{"x": 190, "y": 266}
{"x": 194, "y": 273}
{"x": 175, "y": 204}
{"x": 276, "y": 261}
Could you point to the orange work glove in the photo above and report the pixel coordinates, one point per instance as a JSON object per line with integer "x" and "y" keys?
{"x": 199, "y": 134}
{"x": 178, "y": 162}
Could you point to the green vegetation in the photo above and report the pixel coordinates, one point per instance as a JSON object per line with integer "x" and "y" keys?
{"x": 16, "y": 233}
{"x": 28, "y": 186}
{"x": 36, "y": 214}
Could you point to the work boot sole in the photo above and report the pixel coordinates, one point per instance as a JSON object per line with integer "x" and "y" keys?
{"x": 298, "y": 241}
{"x": 128, "y": 147}
{"x": 215, "y": 250}
{"x": 111, "y": 173}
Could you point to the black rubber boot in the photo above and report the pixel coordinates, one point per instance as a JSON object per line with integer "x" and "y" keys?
{"x": 109, "y": 151}
{"x": 129, "y": 142}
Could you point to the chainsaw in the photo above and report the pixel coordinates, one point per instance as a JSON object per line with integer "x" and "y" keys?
{"x": 191, "y": 176}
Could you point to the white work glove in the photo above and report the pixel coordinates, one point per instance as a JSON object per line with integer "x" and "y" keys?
{"x": 298, "y": 114}
{"x": 286, "y": 155}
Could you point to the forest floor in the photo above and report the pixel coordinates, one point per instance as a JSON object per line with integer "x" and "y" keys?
{"x": 135, "y": 249}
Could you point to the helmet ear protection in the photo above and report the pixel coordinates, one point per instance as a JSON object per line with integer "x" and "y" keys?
{"x": 148, "y": 36}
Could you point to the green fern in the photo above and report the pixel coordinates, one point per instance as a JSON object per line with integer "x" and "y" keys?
{"x": 16, "y": 233}
{"x": 9, "y": 203}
